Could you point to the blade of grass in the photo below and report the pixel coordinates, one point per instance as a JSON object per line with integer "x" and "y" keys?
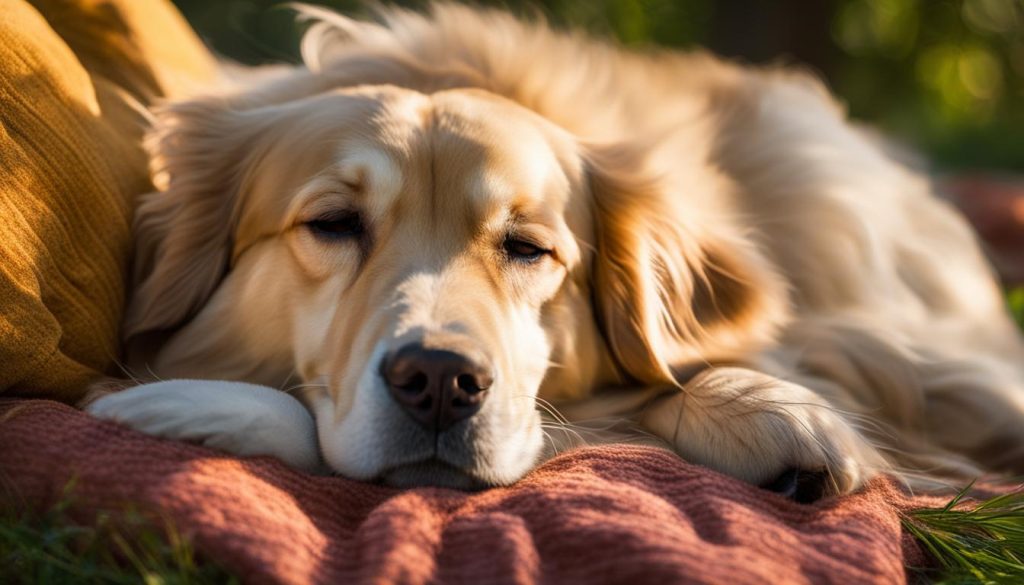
{"x": 983, "y": 543}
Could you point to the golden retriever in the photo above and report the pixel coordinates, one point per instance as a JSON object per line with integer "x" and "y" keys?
{"x": 446, "y": 219}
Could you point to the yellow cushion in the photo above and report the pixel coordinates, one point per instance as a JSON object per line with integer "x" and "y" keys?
{"x": 74, "y": 76}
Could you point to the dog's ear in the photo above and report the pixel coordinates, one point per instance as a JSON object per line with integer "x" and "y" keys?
{"x": 674, "y": 283}
{"x": 183, "y": 232}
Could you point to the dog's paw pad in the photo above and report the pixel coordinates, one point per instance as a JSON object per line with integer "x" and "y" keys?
{"x": 804, "y": 487}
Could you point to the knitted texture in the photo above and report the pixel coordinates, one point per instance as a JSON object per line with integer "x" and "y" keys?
{"x": 616, "y": 514}
{"x": 74, "y": 76}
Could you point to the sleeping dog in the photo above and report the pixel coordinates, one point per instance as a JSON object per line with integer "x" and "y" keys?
{"x": 383, "y": 262}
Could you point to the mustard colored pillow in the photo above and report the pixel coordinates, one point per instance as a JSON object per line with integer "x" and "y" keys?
{"x": 74, "y": 78}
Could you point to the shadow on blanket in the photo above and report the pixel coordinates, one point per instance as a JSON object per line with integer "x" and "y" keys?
{"x": 596, "y": 515}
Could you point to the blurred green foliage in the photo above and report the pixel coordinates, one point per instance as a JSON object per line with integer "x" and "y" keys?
{"x": 946, "y": 76}
{"x": 1015, "y": 301}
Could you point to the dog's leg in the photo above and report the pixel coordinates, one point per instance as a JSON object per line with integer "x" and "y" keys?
{"x": 243, "y": 419}
{"x": 758, "y": 428}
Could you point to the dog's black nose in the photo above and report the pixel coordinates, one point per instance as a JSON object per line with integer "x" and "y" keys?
{"x": 438, "y": 388}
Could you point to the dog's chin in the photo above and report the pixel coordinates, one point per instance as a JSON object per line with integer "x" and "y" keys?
{"x": 431, "y": 473}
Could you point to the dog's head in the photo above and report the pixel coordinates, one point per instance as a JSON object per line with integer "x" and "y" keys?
{"x": 425, "y": 264}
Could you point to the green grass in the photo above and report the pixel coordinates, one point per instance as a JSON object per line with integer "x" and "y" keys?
{"x": 115, "y": 547}
{"x": 973, "y": 544}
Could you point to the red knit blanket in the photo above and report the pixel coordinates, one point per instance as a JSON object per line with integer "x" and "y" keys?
{"x": 599, "y": 515}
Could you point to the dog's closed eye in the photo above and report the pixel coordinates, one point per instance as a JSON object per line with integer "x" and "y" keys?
{"x": 524, "y": 251}
{"x": 337, "y": 226}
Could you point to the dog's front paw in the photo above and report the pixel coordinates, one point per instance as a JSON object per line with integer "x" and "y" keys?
{"x": 243, "y": 419}
{"x": 765, "y": 431}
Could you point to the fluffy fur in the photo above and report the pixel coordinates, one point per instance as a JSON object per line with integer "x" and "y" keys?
{"x": 735, "y": 269}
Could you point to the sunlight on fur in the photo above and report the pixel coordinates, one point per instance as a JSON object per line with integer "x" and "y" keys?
{"x": 446, "y": 224}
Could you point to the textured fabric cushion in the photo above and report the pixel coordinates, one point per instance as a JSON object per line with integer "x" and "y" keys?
{"x": 74, "y": 76}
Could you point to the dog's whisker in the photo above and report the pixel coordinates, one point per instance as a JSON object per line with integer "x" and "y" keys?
{"x": 546, "y": 405}
{"x": 287, "y": 379}
{"x": 577, "y": 438}
{"x": 549, "y": 442}
{"x": 292, "y": 389}
{"x": 128, "y": 373}
{"x": 153, "y": 374}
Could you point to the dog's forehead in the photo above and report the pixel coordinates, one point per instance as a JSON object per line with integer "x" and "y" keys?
{"x": 456, "y": 147}
{"x": 489, "y": 148}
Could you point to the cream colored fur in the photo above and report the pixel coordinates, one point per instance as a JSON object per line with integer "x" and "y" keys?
{"x": 736, "y": 268}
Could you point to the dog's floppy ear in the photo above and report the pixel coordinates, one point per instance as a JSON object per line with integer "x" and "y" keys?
{"x": 674, "y": 284}
{"x": 183, "y": 232}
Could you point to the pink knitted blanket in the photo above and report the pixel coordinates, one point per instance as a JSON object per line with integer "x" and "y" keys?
{"x": 599, "y": 515}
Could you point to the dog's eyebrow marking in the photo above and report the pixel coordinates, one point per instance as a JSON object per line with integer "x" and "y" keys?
{"x": 506, "y": 184}
{"x": 489, "y": 195}
{"x": 373, "y": 175}
{"x": 489, "y": 186}
{"x": 527, "y": 210}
